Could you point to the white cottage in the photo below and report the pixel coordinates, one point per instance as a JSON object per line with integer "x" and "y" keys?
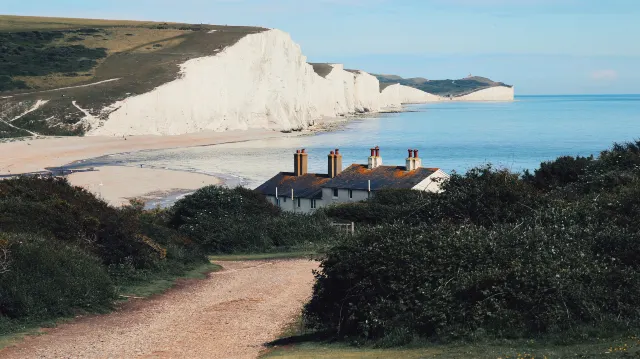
{"x": 304, "y": 192}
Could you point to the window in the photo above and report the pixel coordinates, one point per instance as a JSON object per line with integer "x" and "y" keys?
{"x": 277, "y": 201}
{"x": 299, "y": 203}
{"x": 351, "y": 193}
{"x": 335, "y": 193}
{"x": 285, "y": 199}
{"x": 313, "y": 204}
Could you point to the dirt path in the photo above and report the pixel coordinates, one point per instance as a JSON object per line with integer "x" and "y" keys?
{"x": 229, "y": 315}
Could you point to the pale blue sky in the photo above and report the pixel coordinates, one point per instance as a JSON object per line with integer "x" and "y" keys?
{"x": 541, "y": 46}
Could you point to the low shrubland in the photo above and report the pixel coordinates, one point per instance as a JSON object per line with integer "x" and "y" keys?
{"x": 498, "y": 254}
{"x": 63, "y": 251}
{"x": 239, "y": 220}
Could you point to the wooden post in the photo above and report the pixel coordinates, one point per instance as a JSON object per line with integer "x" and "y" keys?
{"x": 293, "y": 203}
{"x": 353, "y": 228}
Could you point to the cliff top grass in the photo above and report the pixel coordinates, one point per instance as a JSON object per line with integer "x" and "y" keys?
{"x": 48, "y": 58}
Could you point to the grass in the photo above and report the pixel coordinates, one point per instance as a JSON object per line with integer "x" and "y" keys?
{"x": 143, "y": 55}
{"x": 261, "y": 256}
{"x": 299, "y": 343}
{"x": 628, "y": 347}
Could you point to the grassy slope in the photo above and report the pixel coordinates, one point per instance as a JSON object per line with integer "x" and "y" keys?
{"x": 132, "y": 57}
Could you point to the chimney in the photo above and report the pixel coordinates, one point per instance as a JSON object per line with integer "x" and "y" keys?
{"x": 331, "y": 165}
{"x": 417, "y": 161}
{"x": 375, "y": 160}
{"x": 411, "y": 161}
{"x": 304, "y": 162}
{"x": 300, "y": 163}
{"x": 337, "y": 163}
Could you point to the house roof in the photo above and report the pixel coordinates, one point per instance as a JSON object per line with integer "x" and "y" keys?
{"x": 306, "y": 186}
{"x": 358, "y": 176}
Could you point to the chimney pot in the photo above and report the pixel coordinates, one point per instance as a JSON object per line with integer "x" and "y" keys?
{"x": 331, "y": 152}
{"x": 337, "y": 151}
{"x": 373, "y": 152}
{"x": 297, "y": 151}
{"x": 377, "y": 151}
{"x": 304, "y": 150}
{"x": 410, "y": 153}
{"x": 415, "y": 153}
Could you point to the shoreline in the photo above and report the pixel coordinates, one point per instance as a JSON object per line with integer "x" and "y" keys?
{"x": 118, "y": 183}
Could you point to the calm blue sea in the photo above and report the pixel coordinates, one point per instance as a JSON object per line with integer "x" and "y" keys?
{"x": 516, "y": 135}
{"x": 452, "y": 136}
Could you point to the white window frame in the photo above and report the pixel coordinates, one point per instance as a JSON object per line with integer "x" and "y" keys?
{"x": 314, "y": 205}
{"x": 299, "y": 202}
{"x": 336, "y": 193}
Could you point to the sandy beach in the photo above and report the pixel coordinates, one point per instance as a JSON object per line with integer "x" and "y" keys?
{"x": 119, "y": 183}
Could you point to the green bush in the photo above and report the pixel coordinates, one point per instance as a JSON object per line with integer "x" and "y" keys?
{"x": 453, "y": 281}
{"x": 495, "y": 254}
{"x": 43, "y": 279}
{"x": 225, "y": 220}
{"x": 52, "y": 208}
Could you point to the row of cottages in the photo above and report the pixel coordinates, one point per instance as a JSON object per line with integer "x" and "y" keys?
{"x": 303, "y": 192}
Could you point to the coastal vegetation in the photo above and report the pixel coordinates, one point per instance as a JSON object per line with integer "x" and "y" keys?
{"x": 551, "y": 253}
{"x": 63, "y": 251}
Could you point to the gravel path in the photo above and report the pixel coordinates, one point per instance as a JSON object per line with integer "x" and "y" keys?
{"x": 229, "y": 315}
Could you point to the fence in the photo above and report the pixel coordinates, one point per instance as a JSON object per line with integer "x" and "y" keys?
{"x": 349, "y": 228}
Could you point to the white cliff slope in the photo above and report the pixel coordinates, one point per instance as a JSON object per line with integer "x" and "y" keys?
{"x": 498, "y": 93}
{"x": 394, "y": 96}
{"x": 263, "y": 81}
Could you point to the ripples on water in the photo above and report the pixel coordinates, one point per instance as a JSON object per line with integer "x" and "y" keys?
{"x": 453, "y": 136}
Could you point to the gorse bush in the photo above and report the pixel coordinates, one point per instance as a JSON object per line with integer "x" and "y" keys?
{"x": 495, "y": 254}
{"x": 225, "y": 220}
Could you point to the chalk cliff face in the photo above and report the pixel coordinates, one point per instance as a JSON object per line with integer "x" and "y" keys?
{"x": 263, "y": 81}
{"x": 498, "y": 93}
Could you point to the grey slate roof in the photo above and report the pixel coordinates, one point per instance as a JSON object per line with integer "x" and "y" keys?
{"x": 357, "y": 176}
{"x": 307, "y": 186}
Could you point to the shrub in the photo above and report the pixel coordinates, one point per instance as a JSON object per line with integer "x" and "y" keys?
{"x": 52, "y": 208}
{"x": 452, "y": 281}
{"x": 225, "y": 220}
{"x": 46, "y": 279}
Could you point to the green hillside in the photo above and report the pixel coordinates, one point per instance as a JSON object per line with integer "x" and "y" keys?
{"x": 441, "y": 87}
{"x": 63, "y": 61}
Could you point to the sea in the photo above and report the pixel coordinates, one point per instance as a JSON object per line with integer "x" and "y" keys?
{"x": 454, "y": 136}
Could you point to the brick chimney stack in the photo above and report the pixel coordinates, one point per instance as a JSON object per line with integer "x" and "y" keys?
{"x": 375, "y": 160}
{"x": 336, "y": 167}
{"x": 417, "y": 161}
{"x": 411, "y": 163}
{"x": 300, "y": 162}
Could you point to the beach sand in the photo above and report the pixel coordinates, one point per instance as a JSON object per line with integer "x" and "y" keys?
{"x": 118, "y": 184}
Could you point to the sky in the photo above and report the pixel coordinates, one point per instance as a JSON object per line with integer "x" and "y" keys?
{"x": 540, "y": 46}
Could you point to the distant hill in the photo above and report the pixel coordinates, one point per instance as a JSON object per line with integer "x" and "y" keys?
{"x": 441, "y": 87}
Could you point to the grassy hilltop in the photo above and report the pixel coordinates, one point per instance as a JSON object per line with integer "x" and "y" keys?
{"x": 40, "y": 58}
{"x": 448, "y": 87}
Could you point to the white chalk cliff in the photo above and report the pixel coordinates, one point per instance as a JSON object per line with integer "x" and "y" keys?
{"x": 262, "y": 81}
{"x": 497, "y": 93}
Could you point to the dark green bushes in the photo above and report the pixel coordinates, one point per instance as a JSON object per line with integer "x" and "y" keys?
{"x": 227, "y": 220}
{"x": 496, "y": 254}
{"x": 43, "y": 280}
{"x": 63, "y": 250}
